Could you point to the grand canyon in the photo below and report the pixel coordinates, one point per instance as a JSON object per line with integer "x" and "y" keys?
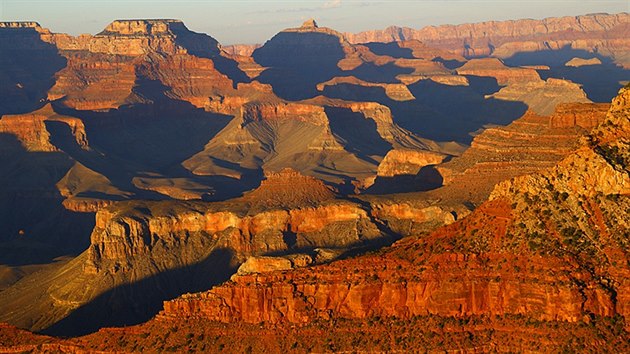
{"x": 454, "y": 188}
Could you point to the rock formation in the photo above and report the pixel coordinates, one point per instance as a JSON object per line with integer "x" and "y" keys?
{"x": 298, "y": 147}
{"x": 577, "y": 62}
{"x": 521, "y": 259}
{"x": 530, "y": 143}
{"x": 493, "y": 67}
{"x": 543, "y": 96}
{"x": 406, "y": 162}
{"x": 31, "y": 129}
{"x": 288, "y": 188}
{"x": 506, "y": 38}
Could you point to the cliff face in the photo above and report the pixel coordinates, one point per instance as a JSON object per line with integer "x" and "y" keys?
{"x": 30, "y": 129}
{"x": 519, "y": 254}
{"x": 406, "y": 162}
{"x": 527, "y": 145}
{"x": 357, "y": 289}
{"x": 144, "y": 252}
{"x": 109, "y": 69}
{"x": 504, "y": 39}
{"x": 29, "y": 65}
{"x": 493, "y": 67}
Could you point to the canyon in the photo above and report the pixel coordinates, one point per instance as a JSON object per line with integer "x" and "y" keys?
{"x": 464, "y": 185}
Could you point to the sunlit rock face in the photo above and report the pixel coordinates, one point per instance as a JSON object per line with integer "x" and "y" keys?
{"x": 506, "y": 38}
{"x": 463, "y": 188}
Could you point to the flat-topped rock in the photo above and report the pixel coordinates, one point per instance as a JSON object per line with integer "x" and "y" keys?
{"x": 19, "y": 24}
{"x": 142, "y": 27}
{"x": 578, "y": 62}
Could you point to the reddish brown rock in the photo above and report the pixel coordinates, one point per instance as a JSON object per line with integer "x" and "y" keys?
{"x": 543, "y": 96}
{"x": 528, "y": 144}
{"x": 503, "y": 39}
{"x": 255, "y": 112}
{"x": 407, "y": 162}
{"x": 289, "y": 188}
{"x": 103, "y": 70}
{"x": 493, "y": 67}
{"x": 32, "y": 132}
{"x": 244, "y": 50}
{"x": 578, "y": 62}
{"x": 516, "y": 255}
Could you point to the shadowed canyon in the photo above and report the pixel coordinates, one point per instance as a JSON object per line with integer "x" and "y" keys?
{"x": 461, "y": 188}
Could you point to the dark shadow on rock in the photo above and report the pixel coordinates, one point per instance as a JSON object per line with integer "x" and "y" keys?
{"x": 36, "y": 227}
{"x": 138, "y": 302}
{"x": 357, "y": 93}
{"x": 204, "y": 46}
{"x": 454, "y": 112}
{"x": 601, "y": 82}
{"x": 297, "y": 62}
{"x": 428, "y": 178}
{"x": 449, "y": 64}
{"x": 27, "y": 70}
{"x": 150, "y": 138}
{"x": 385, "y": 73}
{"x": 483, "y": 85}
{"x": 391, "y": 49}
{"x": 439, "y": 112}
{"x": 360, "y": 133}
{"x": 290, "y": 238}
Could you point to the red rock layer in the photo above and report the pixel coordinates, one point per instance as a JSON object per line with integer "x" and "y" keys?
{"x": 108, "y": 70}
{"x": 492, "y": 67}
{"x": 30, "y": 129}
{"x": 256, "y": 112}
{"x": 517, "y": 254}
{"x": 527, "y": 145}
{"x": 289, "y": 188}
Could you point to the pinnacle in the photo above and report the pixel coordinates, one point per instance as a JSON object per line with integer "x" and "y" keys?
{"x": 310, "y": 23}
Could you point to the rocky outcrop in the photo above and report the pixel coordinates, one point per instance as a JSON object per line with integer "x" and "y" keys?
{"x": 117, "y": 66}
{"x": 33, "y": 133}
{"x": 493, "y": 67}
{"x": 264, "y": 264}
{"x": 543, "y": 96}
{"x": 397, "y": 92}
{"x": 529, "y": 144}
{"x": 406, "y": 162}
{"x": 578, "y": 62}
{"x": 289, "y": 188}
{"x": 138, "y": 37}
{"x": 269, "y": 112}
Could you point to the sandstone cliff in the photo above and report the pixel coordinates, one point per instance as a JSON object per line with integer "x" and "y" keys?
{"x": 504, "y": 39}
